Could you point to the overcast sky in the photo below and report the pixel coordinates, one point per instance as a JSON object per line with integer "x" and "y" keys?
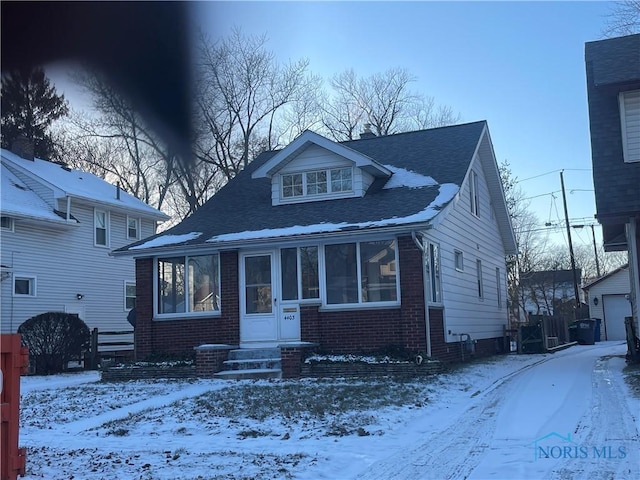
{"x": 517, "y": 65}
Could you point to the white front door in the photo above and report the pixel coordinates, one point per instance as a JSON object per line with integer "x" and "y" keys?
{"x": 259, "y": 301}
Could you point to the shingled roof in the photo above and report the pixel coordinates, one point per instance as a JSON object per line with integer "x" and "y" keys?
{"x": 242, "y": 210}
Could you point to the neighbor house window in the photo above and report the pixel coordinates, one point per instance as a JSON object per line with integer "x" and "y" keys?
{"x": 432, "y": 259}
{"x": 317, "y": 182}
{"x": 363, "y": 272}
{"x": 6, "y": 223}
{"x": 479, "y": 273}
{"x": 129, "y": 295}
{"x": 458, "y": 260}
{"x": 24, "y": 286}
{"x": 188, "y": 284}
{"x": 101, "y": 223}
{"x": 474, "y": 194}
{"x": 499, "y": 287}
{"x": 302, "y": 260}
{"x": 630, "y": 125}
{"x": 133, "y": 228}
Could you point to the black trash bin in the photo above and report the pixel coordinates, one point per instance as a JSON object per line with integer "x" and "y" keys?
{"x": 586, "y": 331}
{"x": 573, "y": 332}
{"x": 597, "y": 334}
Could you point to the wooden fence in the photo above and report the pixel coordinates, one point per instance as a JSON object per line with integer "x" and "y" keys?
{"x": 109, "y": 344}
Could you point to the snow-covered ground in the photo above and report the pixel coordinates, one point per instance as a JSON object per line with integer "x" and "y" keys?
{"x": 495, "y": 419}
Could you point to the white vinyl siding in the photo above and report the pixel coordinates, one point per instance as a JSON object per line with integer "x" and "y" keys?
{"x": 66, "y": 263}
{"x": 630, "y": 125}
{"x": 464, "y": 312}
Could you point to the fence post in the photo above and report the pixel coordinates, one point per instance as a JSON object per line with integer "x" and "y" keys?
{"x": 94, "y": 349}
{"x": 14, "y": 360}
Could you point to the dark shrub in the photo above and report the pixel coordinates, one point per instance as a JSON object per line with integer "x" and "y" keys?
{"x": 53, "y": 339}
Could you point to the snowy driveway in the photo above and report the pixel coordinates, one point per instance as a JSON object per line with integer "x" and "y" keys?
{"x": 567, "y": 415}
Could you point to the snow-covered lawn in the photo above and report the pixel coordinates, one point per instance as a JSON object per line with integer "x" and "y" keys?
{"x": 477, "y": 421}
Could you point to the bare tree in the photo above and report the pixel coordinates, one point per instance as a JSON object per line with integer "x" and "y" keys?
{"x": 382, "y": 100}
{"x": 622, "y": 19}
{"x": 242, "y": 90}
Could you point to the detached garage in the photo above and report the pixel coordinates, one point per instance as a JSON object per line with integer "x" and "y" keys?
{"x": 608, "y": 300}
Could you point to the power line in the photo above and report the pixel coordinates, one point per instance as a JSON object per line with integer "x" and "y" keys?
{"x": 555, "y": 171}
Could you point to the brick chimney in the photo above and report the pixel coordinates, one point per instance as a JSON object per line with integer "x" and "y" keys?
{"x": 23, "y": 147}
{"x": 367, "y": 131}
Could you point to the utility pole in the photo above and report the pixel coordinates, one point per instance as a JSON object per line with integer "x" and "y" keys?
{"x": 573, "y": 260}
{"x": 595, "y": 247}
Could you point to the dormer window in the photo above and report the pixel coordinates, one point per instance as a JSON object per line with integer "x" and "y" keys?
{"x": 315, "y": 182}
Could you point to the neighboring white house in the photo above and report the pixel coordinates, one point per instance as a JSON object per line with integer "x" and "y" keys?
{"x": 549, "y": 292}
{"x": 58, "y": 228}
{"x": 609, "y": 301}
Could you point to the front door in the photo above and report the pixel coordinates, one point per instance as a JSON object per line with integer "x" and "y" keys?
{"x": 259, "y": 303}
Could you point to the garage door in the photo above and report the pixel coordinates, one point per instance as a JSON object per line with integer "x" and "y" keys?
{"x": 616, "y": 307}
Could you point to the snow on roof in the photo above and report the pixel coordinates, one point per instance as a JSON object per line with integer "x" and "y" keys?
{"x": 80, "y": 184}
{"x": 446, "y": 193}
{"x": 408, "y": 178}
{"x": 19, "y": 200}
{"x": 163, "y": 240}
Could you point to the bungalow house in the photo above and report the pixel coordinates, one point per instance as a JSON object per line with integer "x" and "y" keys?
{"x": 58, "y": 228}
{"x": 352, "y": 246}
{"x": 613, "y": 90}
{"x": 609, "y": 301}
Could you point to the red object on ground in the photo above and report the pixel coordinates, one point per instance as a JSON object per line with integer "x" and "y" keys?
{"x": 14, "y": 359}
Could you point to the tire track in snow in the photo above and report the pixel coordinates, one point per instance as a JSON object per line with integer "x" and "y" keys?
{"x": 608, "y": 412}
{"x": 455, "y": 451}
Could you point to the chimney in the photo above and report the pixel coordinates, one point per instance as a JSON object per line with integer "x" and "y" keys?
{"x": 367, "y": 132}
{"x": 23, "y": 147}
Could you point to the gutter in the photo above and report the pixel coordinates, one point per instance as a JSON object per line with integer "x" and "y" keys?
{"x": 427, "y": 322}
{"x": 258, "y": 242}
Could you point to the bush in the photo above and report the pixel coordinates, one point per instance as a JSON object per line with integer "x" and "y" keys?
{"x": 53, "y": 339}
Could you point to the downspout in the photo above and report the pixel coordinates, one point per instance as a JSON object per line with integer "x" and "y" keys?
{"x": 427, "y": 323}
{"x": 68, "y": 208}
{"x": 634, "y": 269}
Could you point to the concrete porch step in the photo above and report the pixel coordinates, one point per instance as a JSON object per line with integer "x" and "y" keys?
{"x": 254, "y": 363}
{"x": 254, "y": 353}
{"x": 249, "y": 374}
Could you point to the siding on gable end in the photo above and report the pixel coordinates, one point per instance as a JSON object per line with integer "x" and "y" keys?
{"x": 66, "y": 263}
{"x": 478, "y": 238}
{"x": 318, "y": 158}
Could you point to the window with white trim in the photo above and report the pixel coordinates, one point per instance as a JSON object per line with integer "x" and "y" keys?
{"x": 458, "y": 260}
{"x": 129, "y": 295}
{"x": 300, "y": 280}
{"x": 479, "y": 275}
{"x": 317, "y": 182}
{"x": 432, "y": 259}
{"x": 24, "y": 286}
{"x": 6, "y": 223}
{"x": 133, "y": 228}
{"x": 362, "y": 272}
{"x": 630, "y": 125}
{"x": 474, "y": 193}
{"x": 188, "y": 285}
{"x": 101, "y": 228}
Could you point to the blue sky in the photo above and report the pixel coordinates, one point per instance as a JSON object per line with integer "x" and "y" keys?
{"x": 518, "y": 65}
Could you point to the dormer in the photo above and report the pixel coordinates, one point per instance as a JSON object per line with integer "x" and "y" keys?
{"x": 314, "y": 168}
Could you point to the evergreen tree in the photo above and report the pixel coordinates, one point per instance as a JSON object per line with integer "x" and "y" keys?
{"x": 30, "y": 104}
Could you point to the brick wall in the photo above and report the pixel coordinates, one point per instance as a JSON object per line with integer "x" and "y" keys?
{"x": 182, "y": 335}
